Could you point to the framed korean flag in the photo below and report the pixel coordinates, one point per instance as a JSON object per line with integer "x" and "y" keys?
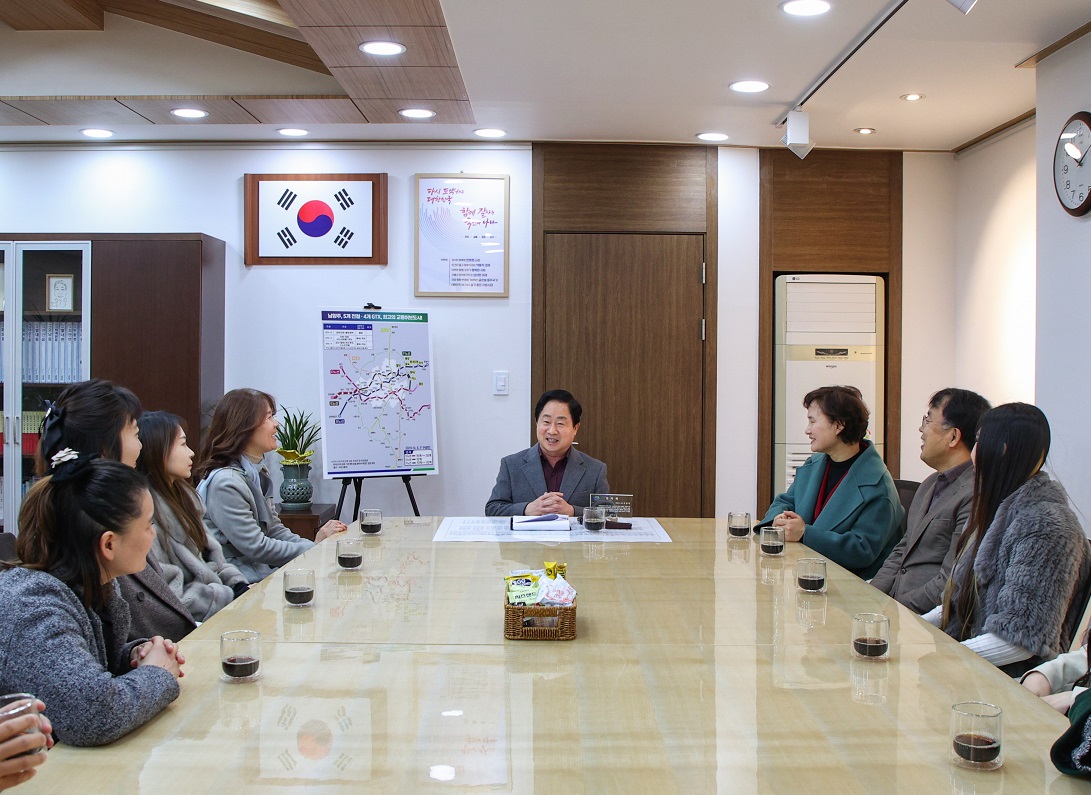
{"x": 316, "y": 219}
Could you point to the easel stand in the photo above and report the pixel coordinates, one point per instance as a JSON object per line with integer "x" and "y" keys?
{"x": 357, "y": 484}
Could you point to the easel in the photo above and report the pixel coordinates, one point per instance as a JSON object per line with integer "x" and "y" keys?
{"x": 357, "y": 484}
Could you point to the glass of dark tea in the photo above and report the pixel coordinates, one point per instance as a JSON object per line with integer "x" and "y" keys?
{"x": 350, "y": 553}
{"x": 738, "y": 525}
{"x": 240, "y": 655}
{"x": 299, "y": 587}
{"x": 371, "y": 521}
{"x": 772, "y": 541}
{"x": 811, "y": 575}
{"x": 594, "y": 519}
{"x": 870, "y": 636}
{"x": 976, "y": 735}
{"x": 16, "y": 705}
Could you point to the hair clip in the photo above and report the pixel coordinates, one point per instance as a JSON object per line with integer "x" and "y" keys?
{"x": 67, "y": 454}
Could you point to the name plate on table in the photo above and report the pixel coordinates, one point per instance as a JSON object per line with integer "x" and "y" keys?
{"x": 551, "y": 521}
{"x": 617, "y": 505}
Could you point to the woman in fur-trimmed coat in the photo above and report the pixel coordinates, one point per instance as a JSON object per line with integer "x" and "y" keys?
{"x": 1024, "y": 557}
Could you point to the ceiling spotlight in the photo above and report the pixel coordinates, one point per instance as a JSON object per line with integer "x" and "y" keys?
{"x": 189, "y": 113}
{"x": 416, "y": 113}
{"x": 490, "y": 132}
{"x": 711, "y": 136}
{"x": 865, "y": 130}
{"x": 382, "y": 48}
{"x": 293, "y": 132}
{"x": 807, "y": 8}
{"x": 912, "y": 97}
{"x": 797, "y": 133}
{"x": 963, "y": 5}
{"x": 748, "y": 86}
{"x": 93, "y": 133}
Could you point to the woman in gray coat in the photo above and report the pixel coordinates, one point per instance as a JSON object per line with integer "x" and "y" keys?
{"x": 65, "y": 628}
{"x": 192, "y": 562}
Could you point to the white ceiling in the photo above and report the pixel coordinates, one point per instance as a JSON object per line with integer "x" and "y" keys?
{"x": 608, "y": 70}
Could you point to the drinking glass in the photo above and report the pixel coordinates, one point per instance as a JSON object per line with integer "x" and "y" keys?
{"x": 16, "y": 705}
{"x": 738, "y": 524}
{"x": 299, "y": 587}
{"x": 976, "y": 735}
{"x": 371, "y": 521}
{"x": 772, "y": 541}
{"x": 811, "y": 575}
{"x": 240, "y": 655}
{"x": 350, "y": 553}
{"x": 870, "y": 636}
{"x": 594, "y": 519}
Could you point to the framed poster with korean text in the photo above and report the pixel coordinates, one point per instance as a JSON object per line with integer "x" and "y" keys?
{"x": 316, "y": 219}
{"x": 462, "y": 235}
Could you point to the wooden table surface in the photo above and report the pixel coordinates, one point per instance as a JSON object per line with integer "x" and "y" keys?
{"x": 698, "y": 667}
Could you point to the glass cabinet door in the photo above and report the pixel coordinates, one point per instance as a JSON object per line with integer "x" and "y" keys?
{"x": 47, "y": 346}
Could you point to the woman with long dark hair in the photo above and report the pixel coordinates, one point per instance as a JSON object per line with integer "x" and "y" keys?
{"x": 65, "y": 625}
{"x": 99, "y": 417}
{"x": 236, "y": 488}
{"x": 1023, "y": 556}
{"x": 191, "y": 560}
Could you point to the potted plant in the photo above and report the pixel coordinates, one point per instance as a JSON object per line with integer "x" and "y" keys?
{"x": 297, "y": 435}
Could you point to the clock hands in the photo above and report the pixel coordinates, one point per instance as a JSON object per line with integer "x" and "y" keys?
{"x": 1075, "y": 153}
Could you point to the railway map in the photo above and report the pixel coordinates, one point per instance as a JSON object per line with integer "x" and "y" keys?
{"x": 378, "y": 397}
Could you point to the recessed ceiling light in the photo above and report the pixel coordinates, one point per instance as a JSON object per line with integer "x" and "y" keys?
{"x": 416, "y": 113}
{"x": 712, "y": 136}
{"x": 912, "y": 97}
{"x": 292, "y": 132}
{"x": 490, "y": 132}
{"x": 865, "y": 130}
{"x": 805, "y": 8}
{"x": 93, "y": 133}
{"x": 748, "y": 86}
{"x": 382, "y": 48}
{"x": 189, "y": 113}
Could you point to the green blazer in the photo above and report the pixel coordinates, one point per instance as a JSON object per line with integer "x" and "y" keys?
{"x": 862, "y": 521}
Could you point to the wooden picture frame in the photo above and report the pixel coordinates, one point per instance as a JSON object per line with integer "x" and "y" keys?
{"x": 60, "y": 293}
{"x": 462, "y": 234}
{"x": 315, "y": 219}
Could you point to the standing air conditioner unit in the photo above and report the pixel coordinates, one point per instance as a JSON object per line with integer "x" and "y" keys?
{"x": 829, "y": 331}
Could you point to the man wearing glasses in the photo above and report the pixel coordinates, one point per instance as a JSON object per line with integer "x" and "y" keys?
{"x": 921, "y": 562}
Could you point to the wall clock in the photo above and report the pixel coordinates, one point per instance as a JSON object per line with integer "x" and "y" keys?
{"x": 1071, "y": 168}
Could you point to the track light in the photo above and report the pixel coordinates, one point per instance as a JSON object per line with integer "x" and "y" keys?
{"x": 963, "y": 5}
{"x": 797, "y": 135}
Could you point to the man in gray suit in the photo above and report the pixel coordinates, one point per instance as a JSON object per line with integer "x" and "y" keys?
{"x": 551, "y": 476}
{"x": 920, "y": 564}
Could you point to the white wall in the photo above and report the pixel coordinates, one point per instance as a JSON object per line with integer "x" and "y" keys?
{"x": 1063, "y": 380}
{"x": 272, "y": 333}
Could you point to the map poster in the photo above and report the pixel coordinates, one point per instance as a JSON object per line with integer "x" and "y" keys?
{"x": 378, "y": 398}
{"x": 462, "y": 235}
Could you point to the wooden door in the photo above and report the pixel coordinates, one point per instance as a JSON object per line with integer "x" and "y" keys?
{"x": 622, "y": 332}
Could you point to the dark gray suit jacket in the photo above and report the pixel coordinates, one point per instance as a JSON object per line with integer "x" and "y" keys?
{"x": 521, "y": 481}
{"x": 153, "y": 606}
{"x": 918, "y": 567}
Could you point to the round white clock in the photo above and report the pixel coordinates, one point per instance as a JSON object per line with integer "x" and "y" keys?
{"x": 1071, "y": 168}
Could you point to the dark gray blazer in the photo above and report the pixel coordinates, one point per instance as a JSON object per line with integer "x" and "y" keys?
{"x": 520, "y": 481}
{"x": 918, "y": 567}
{"x": 153, "y": 606}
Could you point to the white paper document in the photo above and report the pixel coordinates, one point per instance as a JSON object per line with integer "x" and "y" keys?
{"x": 498, "y": 528}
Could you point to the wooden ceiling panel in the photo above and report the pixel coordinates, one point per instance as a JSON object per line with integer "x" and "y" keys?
{"x": 265, "y": 15}
{"x": 341, "y": 46}
{"x": 157, "y": 110}
{"x": 77, "y": 111}
{"x": 51, "y": 14}
{"x": 392, "y": 82}
{"x": 385, "y": 111}
{"x": 10, "y": 117}
{"x": 338, "y": 13}
{"x": 302, "y": 110}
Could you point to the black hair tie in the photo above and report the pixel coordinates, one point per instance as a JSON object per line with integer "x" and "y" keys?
{"x": 52, "y": 430}
{"x": 68, "y": 465}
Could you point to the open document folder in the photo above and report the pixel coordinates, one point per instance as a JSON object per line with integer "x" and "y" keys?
{"x": 551, "y": 521}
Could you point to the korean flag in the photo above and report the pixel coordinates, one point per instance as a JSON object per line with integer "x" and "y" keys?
{"x": 314, "y": 219}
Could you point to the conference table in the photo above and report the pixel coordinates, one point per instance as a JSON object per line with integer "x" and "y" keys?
{"x": 697, "y": 667}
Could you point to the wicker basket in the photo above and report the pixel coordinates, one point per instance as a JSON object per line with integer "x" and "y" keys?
{"x": 539, "y": 622}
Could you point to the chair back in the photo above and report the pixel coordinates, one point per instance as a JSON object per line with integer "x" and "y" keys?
{"x": 907, "y": 490}
{"x": 7, "y": 546}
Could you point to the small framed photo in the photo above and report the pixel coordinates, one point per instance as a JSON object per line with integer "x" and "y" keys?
{"x": 60, "y": 291}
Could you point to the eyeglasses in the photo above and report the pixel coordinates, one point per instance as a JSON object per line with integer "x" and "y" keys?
{"x": 926, "y": 420}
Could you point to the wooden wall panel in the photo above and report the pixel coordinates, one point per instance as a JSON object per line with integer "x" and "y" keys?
{"x": 622, "y": 188}
{"x": 837, "y": 211}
